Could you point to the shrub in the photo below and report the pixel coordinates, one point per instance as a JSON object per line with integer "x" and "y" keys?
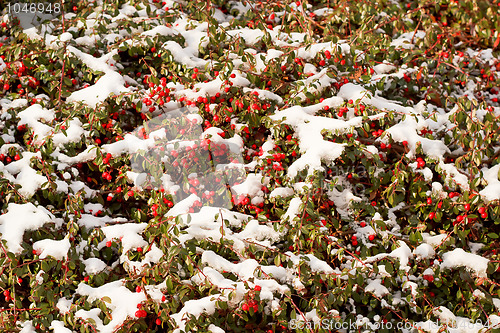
{"x": 236, "y": 166}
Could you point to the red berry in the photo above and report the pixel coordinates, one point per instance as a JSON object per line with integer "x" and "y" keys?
{"x": 139, "y": 249}
{"x": 138, "y": 289}
{"x": 130, "y": 193}
{"x": 257, "y": 288}
{"x": 158, "y": 321}
{"x": 481, "y": 210}
{"x": 362, "y": 224}
{"x": 86, "y": 279}
{"x": 429, "y": 201}
{"x": 405, "y": 143}
{"x": 371, "y": 237}
{"x": 244, "y": 307}
{"x": 108, "y": 244}
{"x": 373, "y": 203}
{"x": 467, "y": 207}
{"x": 432, "y": 215}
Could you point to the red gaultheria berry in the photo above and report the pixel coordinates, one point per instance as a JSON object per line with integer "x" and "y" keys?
{"x": 86, "y": 279}
{"x": 138, "y": 289}
{"x": 484, "y": 215}
{"x": 17, "y": 157}
{"x": 451, "y": 195}
{"x": 130, "y": 193}
{"x": 139, "y": 249}
{"x": 244, "y": 307}
{"x": 405, "y": 143}
{"x": 467, "y": 207}
{"x": 257, "y": 288}
{"x": 432, "y": 215}
{"x": 371, "y": 237}
{"x": 108, "y": 244}
{"x": 158, "y": 321}
{"x": 328, "y": 55}
{"x": 362, "y": 224}
{"x": 355, "y": 243}
{"x": 163, "y": 298}
{"x": 429, "y": 201}
{"x": 481, "y": 210}
{"x": 373, "y": 203}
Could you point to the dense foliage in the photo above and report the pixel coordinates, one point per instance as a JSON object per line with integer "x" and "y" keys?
{"x": 360, "y": 226}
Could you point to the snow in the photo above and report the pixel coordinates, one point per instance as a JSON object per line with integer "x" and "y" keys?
{"x": 127, "y": 233}
{"x": 491, "y": 192}
{"x": 460, "y": 258}
{"x": 57, "y": 249}
{"x": 122, "y": 303}
{"x": 20, "y": 218}
{"x": 94, "y": 265}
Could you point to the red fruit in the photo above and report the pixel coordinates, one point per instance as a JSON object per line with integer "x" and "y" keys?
{"x": 421, "y": 163}
{"x": 354, "y": 243}
{"x": 467, "y": 207}
{"x": 322, "y": 63}
{"x": 484, "y": 215}
{"x": 429, "y": 278}
{"x": 139, "y": 249}
{"x": 460, "y": 218}
{"x": 429, "y": 201}
{"x": 244, "y": 307}
{"x": 362, "y": 224}
{"x": 481, "y": 210}
{"x": 432, "y": 215}
{"x": 451, "y": 195}
{"x": 373, "y": 203}
{"x": 371, "y": 237}
{"x": 75, "y": 8}
{"x": 130, "y": 193}
{"x": 138, "y": 289}
{"x": 257, "y": 288}
{"x": 6, "y": 86}
{"x": 17, "y": 157}
{"x": 158, "y": 321}
{"x": 163, "y": 298}
{"x": 108, "y": 244}
{"x": 405, "y": 143}
{"x": 86, "y": 279}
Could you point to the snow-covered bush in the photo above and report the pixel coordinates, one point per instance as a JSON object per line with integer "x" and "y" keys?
{"x": 243, "y": 165}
